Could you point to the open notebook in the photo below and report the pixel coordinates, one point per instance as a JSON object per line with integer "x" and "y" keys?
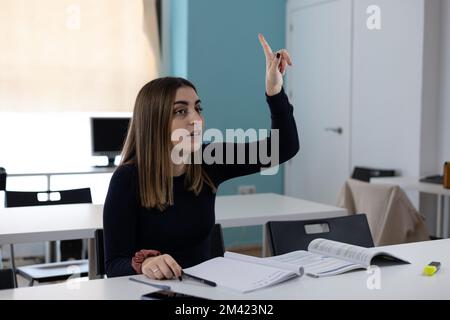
{"x": 323, "y": 258}
{"x": 245, "y": 273}
{"x": 328, "y": 258}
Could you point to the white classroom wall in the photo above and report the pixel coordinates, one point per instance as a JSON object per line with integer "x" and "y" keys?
{"x": 33, "y": 142}
{"x": 387, "y": 85}
{"x": 444, "y": 115}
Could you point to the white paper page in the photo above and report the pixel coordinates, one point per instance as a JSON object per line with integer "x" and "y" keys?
{"x": 239, "y": 275}
{"x": 298, "y": 269}
{"x": 316, "y": 265}
{"x": 339, "y": 250}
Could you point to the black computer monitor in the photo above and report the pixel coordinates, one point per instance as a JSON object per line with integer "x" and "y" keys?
{"x": 108, "y": 136}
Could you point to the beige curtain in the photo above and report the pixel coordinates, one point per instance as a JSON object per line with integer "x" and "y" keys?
{"x": 76, "y": 55}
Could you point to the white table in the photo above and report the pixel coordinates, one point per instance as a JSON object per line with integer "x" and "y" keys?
{"x": 257, "y": 209}
{"x": 52, "y": 249}
{"x": 79, "y": 221}
{"x": 395, "y": 282}
{"x": 414, "y": 184}
{"x": 51, "y": 223}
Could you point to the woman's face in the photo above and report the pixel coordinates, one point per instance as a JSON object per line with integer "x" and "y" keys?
{"x": 187, "y": 121}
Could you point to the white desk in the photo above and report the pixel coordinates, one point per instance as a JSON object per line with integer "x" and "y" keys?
{"x": 413, "y": 184}
{"x": 257, "y": 209}
{"x": 51, "y": 223}
{"x": 396, "y": 282}
{"x": 76, "y": 221}
{"x": 52, "y": 252}
{"x": 79, "y": 221}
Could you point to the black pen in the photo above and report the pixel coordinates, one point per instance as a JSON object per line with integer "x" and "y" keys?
{"x": 209, "y": 283}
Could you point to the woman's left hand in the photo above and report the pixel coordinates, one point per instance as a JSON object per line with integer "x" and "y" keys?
{"x": 275, "y": 67}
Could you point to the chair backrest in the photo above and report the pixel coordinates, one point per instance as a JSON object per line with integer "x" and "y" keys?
{"x": 217, "y": 247}
{"x": 392, "y": 217}
{"x": 34, "y": 198}
{"x": 287, "y": 236}
{"x": 364, "y": 174}
{"x": 2, "y": 179}
{"x": 6, "y": 279}
{"x": 217, "y": 244}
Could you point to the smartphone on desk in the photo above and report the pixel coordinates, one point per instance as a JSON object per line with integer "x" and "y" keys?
{"x": 169, "y": 295}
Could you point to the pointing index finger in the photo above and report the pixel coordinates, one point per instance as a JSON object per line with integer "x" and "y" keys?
{"x": 266, "y": 47}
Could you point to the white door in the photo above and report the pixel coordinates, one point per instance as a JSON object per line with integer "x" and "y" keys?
{"x": 319, "y": 84}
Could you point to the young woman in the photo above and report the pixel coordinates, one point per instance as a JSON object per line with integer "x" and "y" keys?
{"x": 159, "y": 213}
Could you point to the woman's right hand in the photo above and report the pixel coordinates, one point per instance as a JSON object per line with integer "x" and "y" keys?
{"x": 276, "y": 64}
{"x": 161, "y": 267}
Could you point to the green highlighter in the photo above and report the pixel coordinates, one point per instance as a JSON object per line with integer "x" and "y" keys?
{"x": 431, "y": 268}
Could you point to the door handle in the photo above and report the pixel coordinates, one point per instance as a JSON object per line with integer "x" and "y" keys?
{"x": 338, "y": 130}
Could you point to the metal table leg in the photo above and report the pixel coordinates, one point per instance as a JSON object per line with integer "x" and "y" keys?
{"x": 92, "y": 259}
{"x": 13, "y": 264}
{"x": 265, "y": 243}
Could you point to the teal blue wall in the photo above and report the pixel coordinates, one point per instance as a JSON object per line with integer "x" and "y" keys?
{"x": 178, "y": 37}
{"x": 226, "y": 63}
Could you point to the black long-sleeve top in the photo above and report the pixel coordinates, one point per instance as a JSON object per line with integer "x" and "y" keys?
{"x": 183, "y": 229}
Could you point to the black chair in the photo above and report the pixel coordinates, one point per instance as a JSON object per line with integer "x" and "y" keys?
{"x": 2, "y": 187}
{"x": 217, "y": 244}
{"x": 99, "y": 253}
{"x": 364, "y": 174}
{"x": 35, "y": 198}
{"x": 6, "y": 279}
{"x": 50, "y": 271}
{"x": 2, "y": 179}
{"x": 288, "y": 236}
{"x": 217, "y": 248}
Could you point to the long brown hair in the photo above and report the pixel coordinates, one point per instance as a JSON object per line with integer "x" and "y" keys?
{"x": 148, "y": 144}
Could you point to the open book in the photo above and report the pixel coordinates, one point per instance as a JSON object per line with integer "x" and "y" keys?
{"x": 328, "y": 258}
{"x": 323, "y": 258}
{"x": 245, "y": 273}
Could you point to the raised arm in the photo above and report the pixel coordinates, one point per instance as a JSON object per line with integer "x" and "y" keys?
{"x": 279, "y": 150}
